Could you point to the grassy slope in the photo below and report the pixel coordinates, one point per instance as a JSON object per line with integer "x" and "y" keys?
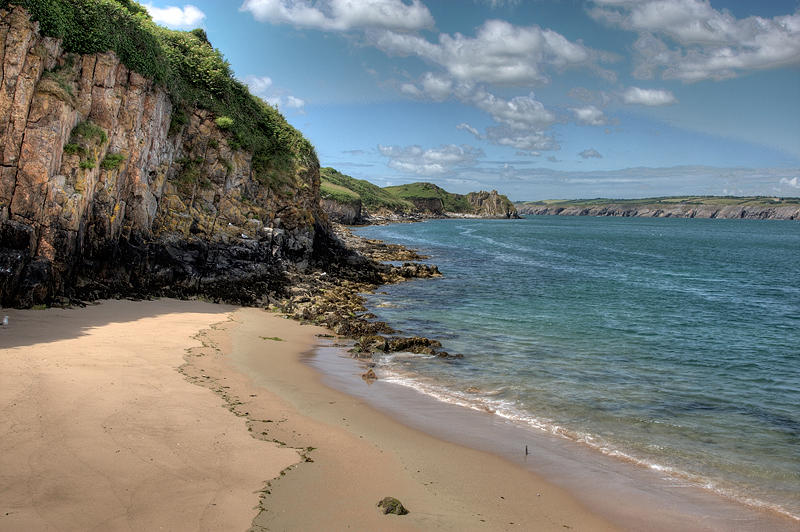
{"x": 372, "y": 196}
{"x": 195, "y": 74}
{"x": 328, "y": 190}
{"x": 756, "y": 201}
{"x": 451, "y": 202}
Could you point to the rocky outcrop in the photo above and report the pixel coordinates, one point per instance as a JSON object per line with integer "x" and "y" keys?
{"x": 432, "y": 206}
{"x": 680, "y": 210}
{"x": 103, "y": 193}
{"x": 343, "y": 212}
{"x": 491, "y": 205}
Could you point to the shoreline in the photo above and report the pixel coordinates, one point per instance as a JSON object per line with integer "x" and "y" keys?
{"x": 141, "y": 445}
{"x": 653, "y": 500}
{"x": 332, "y": 454}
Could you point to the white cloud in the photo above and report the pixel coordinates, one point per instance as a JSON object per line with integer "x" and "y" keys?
{"x": 259, "y": 85}
{"x": 430, "y": 162}
{"x": 519, "y": 113}
{"x": 589, "y": 115}
{"x": 591, "y": 153}
{"x": 294, "y": 103}
{"x": 527, "y": 141}
{"x": 262, "y": 87}
{"x": 466, "y": 127}
{"x": 343, "y": 15}
{"x": 651, "y": 97}
{"x": 184, "y": 17}
{"x": 499, "y": 53}
{"x": 791, "y": 182}
{"x": 433, "y": 87}
{"x": 711, "y": 44}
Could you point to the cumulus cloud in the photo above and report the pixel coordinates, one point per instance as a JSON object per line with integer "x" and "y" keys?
{"x": 651, "y": 97}
{"x": 430, "y": 162}
{"x": 790, "y": 182}
{"x": 500, "y": 52}
{"x": 184, "y": 17}
{"x": 591, "y": 153}
{"x": 589, "y": 115}
{"x": 711, "y": 44}
{"x": 520, "y": 112}
{"x": 431, "y": 86}
{"x": 343, "y": 15}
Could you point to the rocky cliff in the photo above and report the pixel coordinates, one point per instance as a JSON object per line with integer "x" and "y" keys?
{"x": 343, "y": 211}
{"x": 403, "y": 202}
{"x": 752, "y": 212}
{"x": 491, "y": 205}
{"x": 105, "y": 189}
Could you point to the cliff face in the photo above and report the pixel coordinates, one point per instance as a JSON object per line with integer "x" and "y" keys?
{"x": 491, "y": 205}
{"x": 428, "y": 205}
{"x": 675, "y": 211}
{"x": 343, "y": 212}
{"x": 103, "y": 193}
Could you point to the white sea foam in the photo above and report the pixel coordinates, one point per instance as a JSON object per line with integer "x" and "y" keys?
{"x": 483, "y": 401}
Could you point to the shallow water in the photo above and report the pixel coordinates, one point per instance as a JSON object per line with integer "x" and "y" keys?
{"x": 670, "y": 343}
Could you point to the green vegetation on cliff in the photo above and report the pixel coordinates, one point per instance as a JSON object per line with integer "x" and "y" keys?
{"x": 372, "y": 196}
{"x": 450, "y": 202}
{"x": 195, "y": 74}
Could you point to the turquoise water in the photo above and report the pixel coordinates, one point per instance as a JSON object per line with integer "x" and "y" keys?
{"x": 671, "y": 343}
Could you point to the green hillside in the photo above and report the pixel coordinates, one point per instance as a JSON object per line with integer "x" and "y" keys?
{"x": 373, "y": 197}
{"x": 451, "y": 202}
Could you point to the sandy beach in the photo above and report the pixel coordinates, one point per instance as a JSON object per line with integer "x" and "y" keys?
{"x": 178, "y": 415}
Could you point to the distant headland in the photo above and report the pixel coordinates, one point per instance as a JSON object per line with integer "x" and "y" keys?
{"x": 750, "y": 207}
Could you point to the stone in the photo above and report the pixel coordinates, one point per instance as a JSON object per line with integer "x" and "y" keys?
{"x": 390, "y": 505}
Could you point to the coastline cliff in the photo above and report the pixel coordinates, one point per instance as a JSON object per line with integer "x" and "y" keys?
{"x": 755, "y": 208}
{"x": 113, "y": 183}
{"x": 353, "y": 201}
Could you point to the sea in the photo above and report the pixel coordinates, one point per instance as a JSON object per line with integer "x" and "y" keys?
{"x": 672, "y": 345}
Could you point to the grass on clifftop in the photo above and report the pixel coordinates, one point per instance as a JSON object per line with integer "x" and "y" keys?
{"x": 746, "y": 201}
{"x": 451, "y": 202}
{"x": 194, "y": 73}
{"x": 372, "y": 196}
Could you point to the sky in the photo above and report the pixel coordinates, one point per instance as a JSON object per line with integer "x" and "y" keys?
{"x": 538, "y": 99}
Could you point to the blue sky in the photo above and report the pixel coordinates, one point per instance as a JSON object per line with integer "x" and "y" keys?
{"x": 538, "y": 99}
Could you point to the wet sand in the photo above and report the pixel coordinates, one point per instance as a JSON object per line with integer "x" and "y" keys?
{"x": 124, "y": 415}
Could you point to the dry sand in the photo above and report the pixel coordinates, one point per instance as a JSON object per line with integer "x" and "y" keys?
{"x": 100, "y": 430}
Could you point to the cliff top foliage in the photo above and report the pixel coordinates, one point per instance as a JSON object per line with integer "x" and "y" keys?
{"x": 745, "y": 201}
{"x": 194, "y": 73}
{"x": 372, "y": 196}
{"x": 451, "y": 202}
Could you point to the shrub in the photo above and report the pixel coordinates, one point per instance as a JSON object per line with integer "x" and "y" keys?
{"x": 88, "y": 164}
{"x": 224, "y": 122}
{"x": 88, "y": 131}
{"x": 75, "y": 149}
{"x": 112, "y": 161}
